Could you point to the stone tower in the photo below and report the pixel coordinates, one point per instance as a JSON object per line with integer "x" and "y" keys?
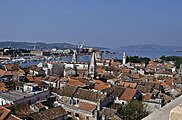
{"x": 124, "y": 58}
{"x": 74, "y": 57}
{"x": 180, "y": 69}
{"x": 92, "y": 66}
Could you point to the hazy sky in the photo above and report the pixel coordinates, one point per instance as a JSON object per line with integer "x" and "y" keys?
{"x": 109, "y": 23}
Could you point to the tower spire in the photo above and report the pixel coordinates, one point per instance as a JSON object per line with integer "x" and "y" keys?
{"x": 124, "y": 58}
{"x": 74, "y": 57}
{"x": 92, "y": 66}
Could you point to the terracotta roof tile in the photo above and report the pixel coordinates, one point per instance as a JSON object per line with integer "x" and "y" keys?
{"x": 30, "y": 78}
{"x": 88, "y": 95}
{"x": 87, "y": 106}
{"x": 39, "y": 105}
{"x": 99, "y": 85}
{"x": 21, "y": 71}
{"x": 169, "y": 81}
{"x": 2, "y": 72}
{"x": 13, "y": 117}
{"x": 67, "y": 90}
{"x": 2, "y": 84}
{"x": 7, "y": 73}
{"x": 143, "y": 89}
{"x": 75, "y": 82}
{"x": 100, "y": 70}
{"x": 126, "y": 70}
{"x": 115, "y": 91}
{"x": 49, "y": 114}
{"x": 147, "y": 97}
{"x": 12, "y": 67}
{"x": 3, "y": 89}
{"x": 128, "y": 84}
{"x": 136, "y": 75}
{"x": 128, "y": 94}
{"x": 3, "y": 112}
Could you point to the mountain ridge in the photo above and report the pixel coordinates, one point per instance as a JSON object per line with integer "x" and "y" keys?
{"x": 151, "y": 47}
{"x": 40, "y": 45}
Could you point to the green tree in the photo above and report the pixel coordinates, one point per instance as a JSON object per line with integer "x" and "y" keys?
{"x": 134, "y": 110}
{"x": 176, "y": 59}
{"x": 137, "y": 59}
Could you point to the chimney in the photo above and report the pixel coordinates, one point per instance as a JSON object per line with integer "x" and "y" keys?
{"x": 103, "y": 117}
{"x": 98, "y": 105}
{"x": 95, "y": 115}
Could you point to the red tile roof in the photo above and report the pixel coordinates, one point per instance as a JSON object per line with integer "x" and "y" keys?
{"x": 128, "y": 84}
{"x": 3, "y": 89}
{"x": 147, "y": 97}
{"x": 99, "y": 85}
{"x": 128, "y": 94}
{"x": 2, "y": 72}
{"x": 169, "y": 81}
{"x": 87, "y": 106}
{"x": 126, "y": 70}
{"x": 2, "y": 84}
{"x": 30, "y": 78}
{"x": 3, "y": 112}
{"x": 75, "y": 82}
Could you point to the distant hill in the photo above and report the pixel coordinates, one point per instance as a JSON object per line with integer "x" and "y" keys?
{"x": 149, "y": 47}
{"x": 38, "y": 45}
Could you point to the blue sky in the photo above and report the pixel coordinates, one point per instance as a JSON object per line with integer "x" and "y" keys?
{"x": 109, "y": 23}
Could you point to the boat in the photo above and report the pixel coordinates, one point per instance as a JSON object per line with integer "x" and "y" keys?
{"x": 179, "y": 50}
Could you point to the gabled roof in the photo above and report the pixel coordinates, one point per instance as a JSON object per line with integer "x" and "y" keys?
{"x": 12, "y": 117}
{"x": 115, "y": 91}
{"x": 128, "y": 84}
{"x": 85, "y": 94}
{"x": 34, "y": 68}
{"x": 86, "y": 106}
{"x": 6, "y": 115}
{"x": 128, "y": 94}
{"x": 2, "y": 72}
{"x": 169, "y": 81}
{"x": 75, "y": 82}
{"x": 2, "y": 84}
{"x": 12, "y": 67}
{"x": 3, "y": 89}
{"x": 99, "y": 85}
{"x": 108, "y": 113}
{"x": 147, "y": 97}
{"x": 49, "y": 114}
{"x": 4, "y": 112}
{"x": 35, "y": 79}
{"x": 68, "y": 90}
{"x": 11, "y": 73}
{"x": 143, "y": 89}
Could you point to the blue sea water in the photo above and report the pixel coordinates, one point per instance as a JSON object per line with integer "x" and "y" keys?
{"x": 145, "y": 53}
{"x": 118, "y": 55}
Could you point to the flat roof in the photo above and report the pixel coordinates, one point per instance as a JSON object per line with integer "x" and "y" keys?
{"x": 14, "y": 95}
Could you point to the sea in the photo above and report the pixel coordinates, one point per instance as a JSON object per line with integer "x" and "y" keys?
{"x": 117, "y": 54}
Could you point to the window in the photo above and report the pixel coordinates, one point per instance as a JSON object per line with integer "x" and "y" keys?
{"x": 69, "y": 112}
{"x": 76, "y": 115}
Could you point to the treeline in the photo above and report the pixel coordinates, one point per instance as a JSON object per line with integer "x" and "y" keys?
{"x": 137, "y": 59}
{"x": 176, "y": 59}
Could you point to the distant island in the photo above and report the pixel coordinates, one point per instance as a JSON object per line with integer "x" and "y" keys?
{"x": 151, "y": 47}
{"x": 40, "y": 45}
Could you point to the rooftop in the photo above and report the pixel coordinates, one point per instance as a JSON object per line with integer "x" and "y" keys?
{"x": 163, "y": 113}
